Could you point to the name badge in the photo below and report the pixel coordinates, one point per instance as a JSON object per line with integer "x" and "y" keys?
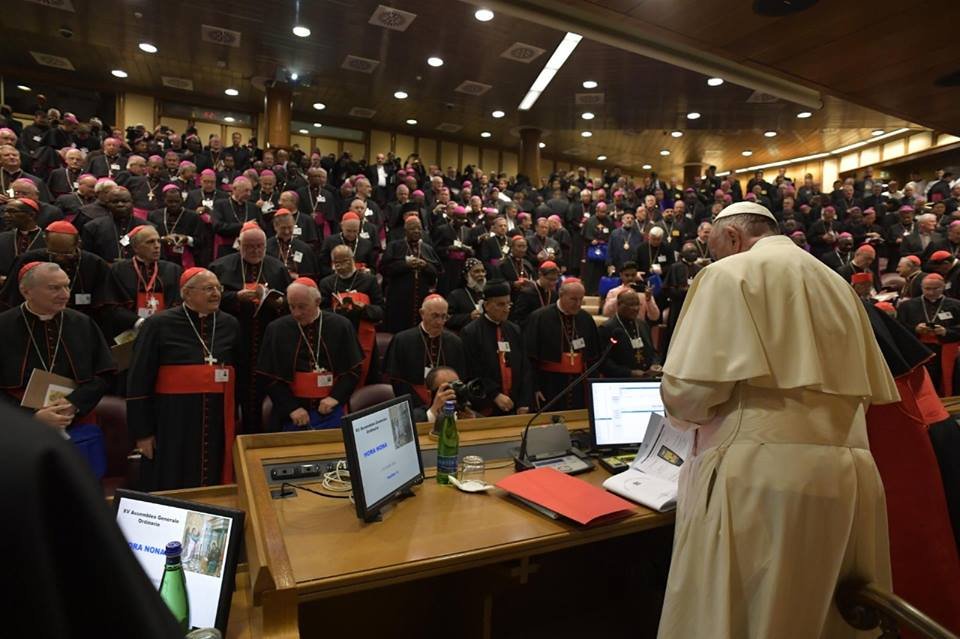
{"x": 689, "y": 281}
{"x": 503, "y": 347}
{"x": 675, "y": 233}
{"x": 183, "y": 196}
{"x": 945, "y": 315}
{"x": 221, "y": 375}
{"x": 114, "y": 167}
{"x": 324, "y": 380}
{"x": 297, "y": 231}
{"x": 947, "y": 286}
{"x": 267, "y": 206}
{"x": 321, "y": 198}
{"x": 661, "y": 258}
{"x": 578, "y": 344}
{"x": 37, "y": 138}
{"x": 636, "y": 342}
{"x": 458, "y": 243}
{"x": 82, "y": 299}
{"x": 125, "y": 240}
{"x": 689, "y": 216}
{"x": 298, "y": 257}
{"x": 207, "y": 203}
{"x": 144, "y": 312}
{"x": 365, "y": 235}
{"x": 178, "y": 248}
{"x": 367, "y": 213}
{"x": 76, "y": 185}
{"x": 10, "y": 192}
{"x": 224, "y": 180}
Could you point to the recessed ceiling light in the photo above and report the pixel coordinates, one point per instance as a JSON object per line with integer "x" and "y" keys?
{"x": 483, "y": 15}
{"x": 411, "y": 121}
{"x": 877, "y": 132}
{"x": 746, "y": 153}
{"x": 294, "y": 76}
{"x": 301, "y": 31}
{"x": 319, "y": 106}
{"x": 714, "y": 82}
{"x": 231, "y": 92}
{"x": 434, "y": 61}
{"x": 400, "y": 95}
{"x": 601, "y": 158}
{"x": 769, "y": 134}
{"x": 24, "y": 87}
{"x": 586, "y": 134}
{"x": 542, "y": 145}
{"x": 485, "y": 134}
{"x": 589, "y": 84}
{"x": 587, "y": 115}
{"x": 647, "y": 167}
{"x": 693, "y": 115}
{"x": 317, "y": 124}
{"x": 146, "y": 47}
{"x": 498, "y": 113}
{"x": 229, "y": 118}
{"x": 304, "y": 132}
{"x": 664, "y": 152}
{"x": 118, "y": 73}
{"x": 676, "y": 134}
{"x": 804, "y": 114}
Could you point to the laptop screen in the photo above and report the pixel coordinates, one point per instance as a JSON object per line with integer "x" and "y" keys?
{"x": 620, "y": 411}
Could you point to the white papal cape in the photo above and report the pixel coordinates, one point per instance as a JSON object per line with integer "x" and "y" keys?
{"x": 774, "y": 360}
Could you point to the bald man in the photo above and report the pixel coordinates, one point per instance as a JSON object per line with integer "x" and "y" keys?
{"x": 310, "y": 362}
{"x": 139, "y": 287}
{"x": 180, "y": 388}
{"x": 247, "y": 277}
{"x": 414, "y": 352}
{"x": 410, "y": 269}
{"x": 70, "y": 204}
{"x": 562, "y": 342}
{"x": 363, "y": 249}
{"x": 66, "y": 179}
{"x": 109, "y": 162}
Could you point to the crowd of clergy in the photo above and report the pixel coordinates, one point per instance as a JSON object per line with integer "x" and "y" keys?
{"x": 236, "y": 274}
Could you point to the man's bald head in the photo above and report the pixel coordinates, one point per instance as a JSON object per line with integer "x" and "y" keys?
{"x": 25, "y": 188}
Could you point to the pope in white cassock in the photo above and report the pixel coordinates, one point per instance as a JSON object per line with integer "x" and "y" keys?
{"x": 774, "y": 363}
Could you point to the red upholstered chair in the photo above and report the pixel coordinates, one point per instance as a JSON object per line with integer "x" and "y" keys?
{"x": 371, "y": 395}
{"x": 383, "y": 340}
{"x": 266, "y": 410}
{"x": 111, "y": 415}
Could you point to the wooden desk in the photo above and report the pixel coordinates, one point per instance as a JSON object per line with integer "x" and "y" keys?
{"x": 309, "y": 547}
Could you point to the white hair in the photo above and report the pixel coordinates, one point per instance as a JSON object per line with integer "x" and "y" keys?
{"x": 927, "y": 217}
{"x": 314, "y": 292}
{"x": 657, "y": 231}
{"x": 103, "y": 185}
{"x": 29, "y": 278}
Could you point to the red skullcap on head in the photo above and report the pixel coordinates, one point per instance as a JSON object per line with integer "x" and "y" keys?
{"x": 350, "y": 215}
{"x": 549, "y": 264}
{"x": 433, "y": 296}
{"x": 305, "y": 281}
{"x": 137, "y": 229}
{"x": 572, "y": 280}
{"x": 914, "y": 259}
{"x": 30, "y": 202}
{"x": 249, "y": 226}
{"x": 933, "y": 276}
{"x": 517, "y": 238}
{"x": 845, "y": 234}
{"x": 867, "y": 249}
{"x": 886, "y": 307}
{"x": 208, "y": 172}
{"x": 170, "y": 187}
{"x": 26, "y": 267}
{"x": 281, "y": 212}
{"x": 940, "y": 256}
{"x": 861, "y": 278}
{"x": 190, "y": 273}
{"x": 61, "y": 226}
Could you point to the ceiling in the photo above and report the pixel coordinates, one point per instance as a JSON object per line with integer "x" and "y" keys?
{"x": 642, "y": 99}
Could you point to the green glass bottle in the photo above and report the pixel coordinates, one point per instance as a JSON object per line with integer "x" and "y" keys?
{"x": 173, "y": 586}
{"x": 449, "y": 446}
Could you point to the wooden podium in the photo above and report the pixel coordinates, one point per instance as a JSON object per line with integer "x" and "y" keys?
{"x": 307, "y": 547}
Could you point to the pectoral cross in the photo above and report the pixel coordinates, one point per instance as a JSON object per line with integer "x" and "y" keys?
{"x": 152, "y": 302}
{"x": 573, "y": 357}
{"x": 210, "y": 359}
{"x": 150, "y": 196}
{"x": 639, "y": 356}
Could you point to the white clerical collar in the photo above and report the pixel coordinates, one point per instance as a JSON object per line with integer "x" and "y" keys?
{"x": 563, "y": 312}
{"x": 491, "y": 320}
{"x": 427, "y": 333}
{"x": 196, "y": 312}
{"x": 45, "y": 318}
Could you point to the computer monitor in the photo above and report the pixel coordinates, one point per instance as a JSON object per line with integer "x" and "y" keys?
{"x": 210, "y": 537}
{"x": 383, "y": 455}
{"x": 620, "y": 411}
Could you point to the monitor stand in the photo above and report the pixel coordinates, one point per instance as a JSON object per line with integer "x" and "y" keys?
{"x": 377, "y": 515}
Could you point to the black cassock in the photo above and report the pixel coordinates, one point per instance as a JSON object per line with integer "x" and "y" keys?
{"x": 86, "y": 274}
{"x": 406, "y": 286}
{"x": 189, "y": 427}
{"x": 337, "y": 294}
{"x": 628, "y": 355}
{"x": 107, "y": 237}
{"x": 82, "y": 355}
{"x": 462, "y": 302}
{"x": 296, "y": 255}
{"x": 487, "y": 358}
{"x": 227, "y": 219}
{"x": 286, "y": 352}
{"x": 13, "y": 243}
{"x": 233, "y": 275}
{"x": 946, "y": 313}
{"x": 186, "y": 223}
{"x": 552, "y": 341}
{"x": 413, "y": 353}
{"x": 529, "y": 299}
{"x": 676, "y": 283}
{"x": 128, "y": 287}
{"x": 364, "y": 253}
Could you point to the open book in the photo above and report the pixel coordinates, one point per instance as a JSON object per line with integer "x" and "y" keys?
{"x": 652, "y": 478}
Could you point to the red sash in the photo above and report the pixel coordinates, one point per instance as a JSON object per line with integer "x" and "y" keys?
{"x": 570, "y": 365}
{"x": 307, "y": 385}
{"x": 191, "y": 379}
{"x": 140, "y": 214}
{"x": 366, "y": 331}
{"x": 506, "y": 373}
{"x": 422, "y": 392}
{"x": 948, "y": 360}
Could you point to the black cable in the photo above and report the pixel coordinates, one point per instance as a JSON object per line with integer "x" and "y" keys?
{"x": 283, "y": 493}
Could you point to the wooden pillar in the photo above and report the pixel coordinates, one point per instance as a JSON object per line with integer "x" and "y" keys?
{"x": 278, "y": 111}
{"x": 530, "y": 155}
{"x": 691, "y": 170}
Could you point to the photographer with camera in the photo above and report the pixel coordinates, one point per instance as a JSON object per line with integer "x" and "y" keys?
{"x": 444, "y": 385}
{"x": 630, "y": 280}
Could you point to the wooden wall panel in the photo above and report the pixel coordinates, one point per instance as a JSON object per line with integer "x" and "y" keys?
{"x": 830, "y": 171}
{"x": 449, "y": 155}
{"x": 427, "y": 148}
{"x": 379, "y": 142}
{"x": 510, "y": 163}
{"x": 179, "y": 125}
{"x": 870, "y": 155}
{"x": 919, "y": 142}
{"x": 357, "y": 149}
{"x": 304, "y": 141}
{"x": 490, "y": 160}
{"x": 245, "y": 133}
{"x": 405, "y": 146}
{"x": 139, "y": 109}
{"x": 470, "y": 155}
{"x": 326, "y": 146}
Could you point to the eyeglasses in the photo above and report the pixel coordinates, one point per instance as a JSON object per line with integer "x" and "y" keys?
{"x": 207, "y": 290}
{"x": 436, "y": 316}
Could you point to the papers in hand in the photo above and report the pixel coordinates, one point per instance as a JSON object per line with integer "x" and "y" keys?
{"x": 653, "y": 476}
{"x": 267, "y": 294}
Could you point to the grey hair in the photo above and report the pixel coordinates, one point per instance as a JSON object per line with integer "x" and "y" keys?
{"x": 314, "y": 292}
{"x": 752, "y": 225}
{"x": 29, "y": 278}
{"x": 927, "y": 217}
{"x": 102, "y": 185}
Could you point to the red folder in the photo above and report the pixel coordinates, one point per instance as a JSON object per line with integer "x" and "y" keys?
{"x": 564, "y": 495}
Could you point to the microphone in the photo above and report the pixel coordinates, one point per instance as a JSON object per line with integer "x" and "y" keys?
{"x": 521, "y": 462}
